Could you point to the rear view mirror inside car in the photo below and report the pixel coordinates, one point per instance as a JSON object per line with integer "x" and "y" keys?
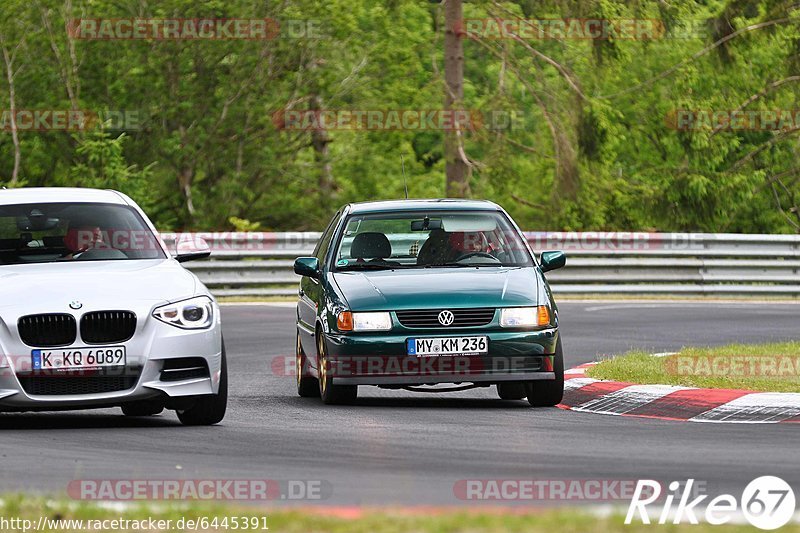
{"x": 36, "y": 221}
{"x": 426, "y": 224}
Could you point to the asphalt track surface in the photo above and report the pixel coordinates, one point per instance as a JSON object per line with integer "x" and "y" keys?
{"x": 401, "y": 448}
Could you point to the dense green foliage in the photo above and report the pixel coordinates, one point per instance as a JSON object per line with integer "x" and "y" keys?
{"x": 592, "y": 144}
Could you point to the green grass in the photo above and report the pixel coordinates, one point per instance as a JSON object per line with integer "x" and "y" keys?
{"x": 759, "y": 367}
{"x": 318, "y": 520}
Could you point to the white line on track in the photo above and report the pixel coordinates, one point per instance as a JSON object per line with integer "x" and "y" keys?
{"x": 627, "y": 399}
{"x": 755, "y": 407}
{"x": 578, "y": 383}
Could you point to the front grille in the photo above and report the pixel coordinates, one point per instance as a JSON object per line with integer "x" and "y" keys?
{"x": 183, "y": 368}
{"x": 43, "y": 331}
{"x": 76, "y": 385}
{"x": 103, "y": 327}
{"x": 429, "y": 318}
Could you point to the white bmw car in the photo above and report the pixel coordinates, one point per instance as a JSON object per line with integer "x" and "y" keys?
{"x": 95, "y": 312}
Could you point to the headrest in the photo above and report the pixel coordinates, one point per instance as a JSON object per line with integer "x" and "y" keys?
{"x": 371, "y": 245}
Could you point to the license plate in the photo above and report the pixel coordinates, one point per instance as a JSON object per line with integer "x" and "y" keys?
{"x": 448, "y": 346}
{"x": 72, "y": 358}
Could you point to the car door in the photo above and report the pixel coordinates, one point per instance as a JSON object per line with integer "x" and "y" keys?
{"x": 311, "y": 293}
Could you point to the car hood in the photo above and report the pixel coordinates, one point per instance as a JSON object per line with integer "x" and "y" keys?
{"x": 387, "y": 290}
{"x": 96, "y": 284}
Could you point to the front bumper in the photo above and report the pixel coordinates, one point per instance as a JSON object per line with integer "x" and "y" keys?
{"x": 153, "y": 344}
{"x": 382, "y": 359}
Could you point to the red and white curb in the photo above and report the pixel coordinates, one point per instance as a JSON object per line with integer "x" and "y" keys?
{"x": 669, "y": 402}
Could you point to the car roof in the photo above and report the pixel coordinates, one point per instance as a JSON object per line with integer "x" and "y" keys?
{"x": 436, "y": 204}
{"x": 31, "y": 195}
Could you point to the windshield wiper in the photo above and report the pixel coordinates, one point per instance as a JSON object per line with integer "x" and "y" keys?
{"x": 463, "y": 265}
{"x": 368, "y": 266}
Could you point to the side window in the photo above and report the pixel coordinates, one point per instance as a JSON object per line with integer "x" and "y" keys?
{"x": 322, "y": 237}
{"x": 325, "y": 240}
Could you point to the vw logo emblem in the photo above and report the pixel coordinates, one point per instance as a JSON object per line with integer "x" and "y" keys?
{"x": 75, "y": 304}
{"x": 446, "y": 317}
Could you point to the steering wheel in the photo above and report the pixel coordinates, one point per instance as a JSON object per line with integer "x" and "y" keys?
{"x": 74, "y": 254}
{"x": 476, "y": 254}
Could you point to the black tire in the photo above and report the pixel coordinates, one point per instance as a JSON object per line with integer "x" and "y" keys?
{"x": 307, "y": 386}
{"x": 209, "y": 409}
{"x": 512, "y": 390}
{"x": 331, "y": 394}
{"x": 144, "y": 408}
{"x": 549, "y": 393}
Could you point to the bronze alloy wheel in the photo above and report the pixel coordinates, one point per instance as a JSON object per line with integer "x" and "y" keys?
{"x": 330, "y": 393}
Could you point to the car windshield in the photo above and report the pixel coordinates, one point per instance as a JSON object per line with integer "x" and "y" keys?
{"x": 56, "y": 232}
{"x": 429, "y": 240}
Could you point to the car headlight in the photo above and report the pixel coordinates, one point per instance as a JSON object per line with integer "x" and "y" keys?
{"x": 348, "y": 321}
{"x": 194, "y": 313}
{"x": 516, "y": 317}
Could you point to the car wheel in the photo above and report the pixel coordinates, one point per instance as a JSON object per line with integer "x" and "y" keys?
{"x": 330, "y": 393}
{"x": 307, "y": 386}
{"x": 512, "y": 390}
{"x": 145, "y": 408}
{"x": 209, "y": 409}
{"x": 549, "y": 393}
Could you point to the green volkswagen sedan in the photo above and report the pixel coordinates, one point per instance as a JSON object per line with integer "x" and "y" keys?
{"x": 427, "y": 295}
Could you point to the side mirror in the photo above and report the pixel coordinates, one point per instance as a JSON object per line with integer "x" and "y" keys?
{"x": 553, "y": 260}
{"x": 307, "y": 266}
{"x": 189, "y": 250}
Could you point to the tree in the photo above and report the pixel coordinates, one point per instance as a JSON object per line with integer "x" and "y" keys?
{"x": 590, "y": 140}
{"x": 456, "y": 162}
{"x": 9, "y": 51}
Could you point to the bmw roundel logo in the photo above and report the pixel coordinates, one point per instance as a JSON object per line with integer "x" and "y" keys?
{"x": 446, "y": 317}
{"x": 75, "y": 304}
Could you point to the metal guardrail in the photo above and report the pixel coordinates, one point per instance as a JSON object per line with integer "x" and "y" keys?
{"x": 613, "y": 263}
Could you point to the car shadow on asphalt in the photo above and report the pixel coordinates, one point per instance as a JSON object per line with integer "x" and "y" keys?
{"x": 422, "y": 403}
{"x": 67, "y": 420}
